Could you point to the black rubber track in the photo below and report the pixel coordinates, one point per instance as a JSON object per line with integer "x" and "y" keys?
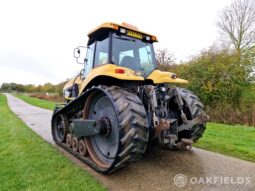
{"x": 132, "y": 121}
{"x": 195, "y": 107}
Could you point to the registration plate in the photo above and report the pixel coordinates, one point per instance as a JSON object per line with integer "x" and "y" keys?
{"x": 135, "y": 34}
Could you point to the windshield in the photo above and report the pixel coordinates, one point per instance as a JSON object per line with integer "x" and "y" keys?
{"x": 133, "y": 53}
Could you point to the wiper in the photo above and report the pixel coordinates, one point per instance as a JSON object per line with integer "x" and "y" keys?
{"x": 127, "y": 39}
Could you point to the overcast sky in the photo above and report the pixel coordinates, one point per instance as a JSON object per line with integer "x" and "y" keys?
{"x": 37, "y": 38}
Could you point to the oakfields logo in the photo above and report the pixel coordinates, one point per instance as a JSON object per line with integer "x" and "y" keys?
{"x": 180, "y": 180}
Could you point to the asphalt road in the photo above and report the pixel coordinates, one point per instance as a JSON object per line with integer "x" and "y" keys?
{"x": 159, "y": 169}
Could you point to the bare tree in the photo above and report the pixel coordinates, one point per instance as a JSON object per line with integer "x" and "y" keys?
{"x": 164, "y": 57}
{"x": 237, "y": 25}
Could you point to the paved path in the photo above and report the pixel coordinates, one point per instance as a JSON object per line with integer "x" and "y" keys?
{"x": 38, "y": 119}
{"x": 204, "y": 170}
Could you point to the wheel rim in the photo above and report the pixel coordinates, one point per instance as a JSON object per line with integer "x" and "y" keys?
{"x": 102, "y": 148}
{"x": 59, "y": 129}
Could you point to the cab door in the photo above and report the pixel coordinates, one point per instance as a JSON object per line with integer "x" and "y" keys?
{"x": 89, "y": 59}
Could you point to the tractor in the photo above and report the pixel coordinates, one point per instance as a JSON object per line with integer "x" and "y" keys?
{"x": 120, "y": 102}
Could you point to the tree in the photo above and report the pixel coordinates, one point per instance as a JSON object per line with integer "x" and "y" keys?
{"x": 12, "y": 87}
{"x": 237, "y": 25}
{"x": 164, "y": 57}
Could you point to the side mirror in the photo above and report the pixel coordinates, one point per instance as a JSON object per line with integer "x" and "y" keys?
{"x": 80, "y": 54}
{"x": 76, "y": 53}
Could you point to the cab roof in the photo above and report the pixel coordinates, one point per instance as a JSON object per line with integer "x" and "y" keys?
{"x": 115, "y": 26}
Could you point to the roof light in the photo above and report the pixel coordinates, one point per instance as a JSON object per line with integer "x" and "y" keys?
{"x": 119, "y": 71}
{"x": 153, "y": 38}
{"x": 122, "y": 30}
{"x": 116, "y": 27}
{"x": 148, "y": 38}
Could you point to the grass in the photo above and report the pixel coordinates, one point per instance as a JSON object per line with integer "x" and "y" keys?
{"x": 29, "y": 163}
{"x": 36, "y": 101}
{"x": 237, "y": 141}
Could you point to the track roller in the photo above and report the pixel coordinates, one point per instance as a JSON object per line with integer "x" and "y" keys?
{"x": 75, "y": 144}
{"x": 82, "y": 148}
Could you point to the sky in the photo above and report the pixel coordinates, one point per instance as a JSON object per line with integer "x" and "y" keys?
{"x": 37, "y": 38}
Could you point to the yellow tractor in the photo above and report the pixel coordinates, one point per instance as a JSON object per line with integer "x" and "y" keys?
{"x": 120, "y": 102}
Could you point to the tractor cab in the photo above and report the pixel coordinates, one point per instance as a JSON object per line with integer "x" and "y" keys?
{"x": 121, "y": 45}
{"x": 120, "y": 55}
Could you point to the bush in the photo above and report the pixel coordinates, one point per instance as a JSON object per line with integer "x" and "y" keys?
{"x": 223, "y": 83}
{"x": 49, "y": 97}
{"x": 216, "y": 77}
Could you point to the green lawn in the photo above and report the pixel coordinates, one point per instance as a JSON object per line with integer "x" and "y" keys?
{"x": 237, "y": 141}
{"x": 37, "y": 102}
{"x": 27, "y": 162}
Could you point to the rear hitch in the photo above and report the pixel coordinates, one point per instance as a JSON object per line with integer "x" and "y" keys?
{"x": 200, "y": 119}
{"x": 184, "y": 143}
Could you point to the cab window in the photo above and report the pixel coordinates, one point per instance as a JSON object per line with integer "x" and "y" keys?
{"x": 125, "y": 53}
{"x": 133, "y": 53}
{"x": 102, "y": 51}
{"x": 146, "y": 60}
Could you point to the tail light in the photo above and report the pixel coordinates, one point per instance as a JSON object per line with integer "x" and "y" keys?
{"x": 119, "y": 71}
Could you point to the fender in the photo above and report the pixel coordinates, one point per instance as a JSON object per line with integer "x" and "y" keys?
{"x": 158, "y": 77}
{"x": 118, "y": 72}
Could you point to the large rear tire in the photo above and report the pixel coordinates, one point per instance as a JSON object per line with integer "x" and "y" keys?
{"x": 193, "y": 107}
{"x": 126, "y": 119}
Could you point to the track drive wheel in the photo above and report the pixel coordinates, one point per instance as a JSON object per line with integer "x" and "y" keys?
{"x": 125, "y": 122}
